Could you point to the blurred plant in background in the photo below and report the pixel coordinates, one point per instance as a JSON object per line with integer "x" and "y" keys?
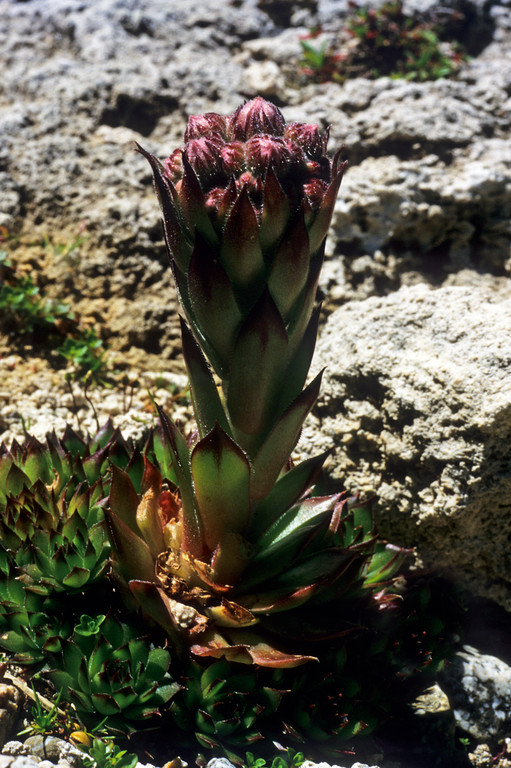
{"x": 385, "y": 42}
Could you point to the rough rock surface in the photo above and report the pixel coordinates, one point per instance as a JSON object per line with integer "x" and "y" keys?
{"x": 479, "y": 688}
{"x": 416, "y": 402}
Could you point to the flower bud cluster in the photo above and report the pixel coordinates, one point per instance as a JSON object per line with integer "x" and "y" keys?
{"x": 244, "y": 145}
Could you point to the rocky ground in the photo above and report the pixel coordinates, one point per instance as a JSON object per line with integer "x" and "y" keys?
{"x": 417, "y": 401}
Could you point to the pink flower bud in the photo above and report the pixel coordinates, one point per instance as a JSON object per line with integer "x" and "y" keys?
{"x": 214, "y": 198}
{"x": 315, "y": 192}
{"x": 233, "y": 157}
{"x": 261, "y": 151}
{"x": 173, "y": 165}
{"x": 204, "y": 157}
{"x": 208, "y": 124}
{"x": 306, "y": 136}
{"x": 256, "y": 116}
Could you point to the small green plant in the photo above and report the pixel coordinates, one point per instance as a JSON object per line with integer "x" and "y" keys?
{"x": 102, "y": 752}
{"x": 291, "y": 759}
{"x": 25, "y": 310}
{"x": 43, "y": 721}
{"x": 384, "y": 41}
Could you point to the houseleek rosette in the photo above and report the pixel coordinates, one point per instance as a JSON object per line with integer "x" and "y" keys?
{"x": 224, "y": 545}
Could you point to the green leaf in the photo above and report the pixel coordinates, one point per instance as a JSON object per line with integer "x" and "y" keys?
{"x": 175, "y": 238}
{"x": 221, "y": 474}
{"x": 258, "y": 364}
{"x": 298, "y": 368}
{"x": 290, "y": 267}
{"x": 192, "y": 541}
{"x": 277, "y": 447}
{"x": 287, "y": 490}
{"x": 158, "y": 664}
{"x": 276, "y": 211}
{"x": 191, "y": 201}
{"x": 319, "y": 228}
{"x": 305, "y": 516}
{"x": 131, "y": 552}
{"x": 76, "y": 578}
{"x": 212, "y": 299}
{"x": 241, "y": 253}
{"x": 123, "y": 499}
{"x": 205, "y": 397}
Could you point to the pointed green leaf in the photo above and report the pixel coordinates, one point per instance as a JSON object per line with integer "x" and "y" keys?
{"x": 131, "y": 552}
{"x": 258, "y": 364}
{"x": 280, "y": 442}
{"x": 319, "y": 228}
{"x": 177, "y": 245}
{"x": 302, "y": 311}
{"x": 287, "y": 490}
{"x": 276, "y": 211}
{"x": 123, "y": 499}
{"x": 76, "y": 578}
{"x": 38, "y": 464}
{"x": 15, "y": 481}
{"x": 241, "y": 253}
{"x": 302, "y": 517}
{"x": 298, "y": 368}
{"x": 206, "y": 401}
{"x": 192, "y": 541}
{"x": 290, "y": 267}
{"x": 192, "y": 203}
{"x": 212, "y": 299}
{"x": 221, "y": 474}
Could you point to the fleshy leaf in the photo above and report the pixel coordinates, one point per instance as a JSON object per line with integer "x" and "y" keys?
{"x": 212, "y": 299}
{"x": 192, "y": 541}
{"x": 133, "y": 554}
{"x": 177, "y": 245}
{"x": 277, "y": 447}
{"x": 287, "y": 490}
{"x": 258, "y": 364}
{"x": 205, "y": 397}
{"x": 276, "y": 211}
{"x": 241, "y": 252}
{"x": 290, "y": 268}
{"x": 221, "y": 474}
{"x": 319, "y": 228}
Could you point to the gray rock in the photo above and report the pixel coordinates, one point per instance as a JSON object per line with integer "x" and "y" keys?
{"x": 54, "y": 750}
{"x": 416, "y": 403}
{"x": 479, "y": 688}
{"x": 445, "y": 217}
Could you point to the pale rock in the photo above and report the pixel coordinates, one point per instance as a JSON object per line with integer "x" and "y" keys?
{"x": 416, "y": 404}
{"x": 479, "y": 689}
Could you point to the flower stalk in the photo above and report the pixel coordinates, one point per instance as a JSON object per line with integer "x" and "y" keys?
{"x": 230, "y": 549}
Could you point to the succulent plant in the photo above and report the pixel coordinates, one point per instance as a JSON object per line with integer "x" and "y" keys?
{"x": 53, "y": 544}
{"x": 110, "y": 671}
{"x": 224, "y": 703}
{"x": 226, "y": 547}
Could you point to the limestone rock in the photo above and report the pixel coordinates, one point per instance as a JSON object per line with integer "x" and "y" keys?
{"x": 416, "y": 403}
{"x": 11, "y": 701}
{"x": 479, "y": 688}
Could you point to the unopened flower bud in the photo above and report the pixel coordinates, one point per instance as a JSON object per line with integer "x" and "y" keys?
{"x": 306, "y": 136}
{"x": 263, "y": 151}
{"x": 204, "y": 157}
{"x": 315, "y": 192}
{"x": 257, "y": 116}
{"x": 174, "y": 165}
{"x": 208, "y": 124}
{"x": 233, "y": 157}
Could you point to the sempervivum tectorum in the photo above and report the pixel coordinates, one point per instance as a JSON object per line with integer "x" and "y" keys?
{"x": 229, "y": 549}
{"x": 111, "y": 673}
{"x": 246, "y": 208}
